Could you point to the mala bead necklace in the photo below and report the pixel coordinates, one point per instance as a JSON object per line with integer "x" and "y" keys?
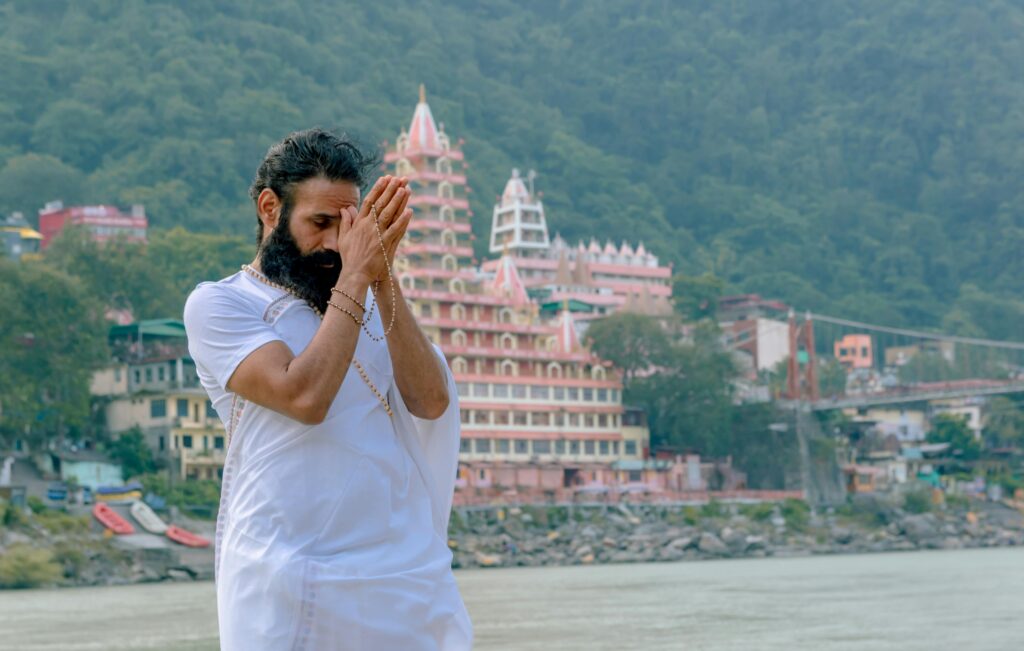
{"x": 249, "y": 269}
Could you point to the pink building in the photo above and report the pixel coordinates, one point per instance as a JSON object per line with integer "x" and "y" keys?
{"x": 854, "y": 351}
{"x": 102, "y": 222}
{"x": 539, "y": 410}
{"x": 595, "y": 280}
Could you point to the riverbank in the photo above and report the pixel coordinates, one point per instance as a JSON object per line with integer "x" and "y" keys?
{"x": 584, "y": 535}
{"x": 53, "y": 548}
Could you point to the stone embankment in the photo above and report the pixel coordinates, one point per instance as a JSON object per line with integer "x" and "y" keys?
{"x": 56, "y": 548}
{"x": 538, "y": 536}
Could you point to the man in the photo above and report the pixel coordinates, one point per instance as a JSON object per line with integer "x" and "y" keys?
{"x": 342, "y": 420}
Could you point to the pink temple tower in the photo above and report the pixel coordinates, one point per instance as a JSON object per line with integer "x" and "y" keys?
{"x": 540, "y": 412}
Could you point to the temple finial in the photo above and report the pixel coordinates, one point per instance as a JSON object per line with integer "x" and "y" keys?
{"x": 423, "y": 93}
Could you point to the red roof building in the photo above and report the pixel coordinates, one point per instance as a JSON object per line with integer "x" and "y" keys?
{"x": 102, "y": 222}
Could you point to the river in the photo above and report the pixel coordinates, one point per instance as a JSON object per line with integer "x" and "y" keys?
{"x": 969, "y": 599}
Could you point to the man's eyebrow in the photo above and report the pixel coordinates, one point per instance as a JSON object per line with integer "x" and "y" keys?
{"x": 325, "y": 215}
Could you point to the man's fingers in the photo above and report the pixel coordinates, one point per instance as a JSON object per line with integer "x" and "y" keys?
{"x": 385, "y": 198}
{"x": 374, "y": 193}
{"x": 397, "y": 230}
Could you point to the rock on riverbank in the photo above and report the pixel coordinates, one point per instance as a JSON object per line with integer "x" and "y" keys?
{"x": 580, "y": 535}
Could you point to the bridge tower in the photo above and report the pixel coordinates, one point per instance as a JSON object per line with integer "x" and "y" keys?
{"x": 801, "y": 386}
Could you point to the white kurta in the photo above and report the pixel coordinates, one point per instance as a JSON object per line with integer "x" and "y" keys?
{"x": 330, "y": 536}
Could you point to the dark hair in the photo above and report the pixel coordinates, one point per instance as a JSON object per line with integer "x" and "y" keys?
{"x": 309, "y": 154}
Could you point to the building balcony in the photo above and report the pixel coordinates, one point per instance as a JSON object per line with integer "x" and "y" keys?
{"x": 434, "y": 200}
{"x": 493, "y": 352}
{"x": 437, "y": 225}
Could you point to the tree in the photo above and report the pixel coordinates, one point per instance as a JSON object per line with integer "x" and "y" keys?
{"x": 953, "y": 429}
{"x": 53, "y": 336}
{"x": 633, "y": 342}
{"x": 696, "y": 297}
{"x": 131, "y": 451}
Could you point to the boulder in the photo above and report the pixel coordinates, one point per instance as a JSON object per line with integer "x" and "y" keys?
{"x": 711, "y": 544}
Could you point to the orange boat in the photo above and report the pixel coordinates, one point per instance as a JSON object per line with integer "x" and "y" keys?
{"x": 187, "y": 538}
{"x": 110, "y": 519}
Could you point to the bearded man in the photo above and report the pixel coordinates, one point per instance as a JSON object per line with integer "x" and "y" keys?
{"x": 341, "y": 418}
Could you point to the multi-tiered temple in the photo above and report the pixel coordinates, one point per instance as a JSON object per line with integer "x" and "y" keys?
{"x": 539, "y": 409}
{"x": 592, "y": 280}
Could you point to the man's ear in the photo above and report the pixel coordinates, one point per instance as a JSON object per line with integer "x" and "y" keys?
{"x": 268, "y": 209}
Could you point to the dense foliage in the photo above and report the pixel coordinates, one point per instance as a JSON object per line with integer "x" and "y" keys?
{"x": 861, "y": 159}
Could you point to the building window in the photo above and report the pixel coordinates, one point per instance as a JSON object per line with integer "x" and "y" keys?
{"x": 602, "y": 395}
{"x": 117, "y": 375}
{"x": 574, "y": 447}
{"x": 162, "y": 443}
{"x": 588, "y": 447}
{"x": 522, "y": 447}
{"x": 588, "y": 420}
{"x": 519, "y": 418}
{"x": 588, "y": 394}
{"x": 210, "y": 411}
{"x": 519, "y": 391}
{"x": 540, "y": 419}
{"x": 500, "y": 390}
{"x": 464, "y": 416}
{"x": 182, "y": 407}
{"x": 574, "y": 394}
{"x": 635, "y": 476}
{"x": 573, "y": 420}
{"x": 503, "y": 445}
{"x": 542, "y": 447}
{"x": 186, "y": 441}
{"x": 615, "y": 448}
{"x": 559, "y": 393}
{"x": 480, "y": 390}
{"x": 631, "y": 447}
{"x": 483, "y": 445}
{"x": 501, "y": 418}
{"x": 604, "y": 447}
{"x": 149, "y": 374}
{"x": 137, "y": 374}
{"x": 538, "y": 393}
{"x": 218, "y": 442}
{"x": 160, "y": 373}
{"x": 463, "y": 389}
{"x": 158, "y": 408}
{"x": 465, "y": 445}
{"x": 602, "y": 420}
{"x": 560, "y": 446}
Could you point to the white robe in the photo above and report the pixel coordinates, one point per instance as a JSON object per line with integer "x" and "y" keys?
{"x": 331, "y": 536}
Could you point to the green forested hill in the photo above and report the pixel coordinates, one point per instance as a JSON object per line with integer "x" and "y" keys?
{"x": 862, "y": 158}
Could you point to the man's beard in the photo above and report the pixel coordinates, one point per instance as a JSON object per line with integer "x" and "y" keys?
{"x": 305, "y": 274}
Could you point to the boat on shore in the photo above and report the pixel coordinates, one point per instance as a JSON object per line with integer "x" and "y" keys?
{"x": 187, "y": 538}
{"x": 146, "y": 517}
{"x": 111, "y": 519}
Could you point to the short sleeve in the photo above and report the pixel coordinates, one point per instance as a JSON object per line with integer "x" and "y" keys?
{"x": 223, "y": 329}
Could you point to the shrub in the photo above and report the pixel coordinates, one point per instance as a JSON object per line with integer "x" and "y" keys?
{"x": 714, "y": 509}
{"x": 918, "y": 501}
{"x": 37, "y": 505}
{"x": 23, "y": 566}
{"x": 760, "y": 512}
{"x": 60, "y": 522}
{"x": 796, "y": 513}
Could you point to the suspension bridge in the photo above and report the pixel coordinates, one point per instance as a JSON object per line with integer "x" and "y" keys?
{"x": 852, "y": 364}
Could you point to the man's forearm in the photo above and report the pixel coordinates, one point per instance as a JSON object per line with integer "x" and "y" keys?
{"x": 418, "y": 372}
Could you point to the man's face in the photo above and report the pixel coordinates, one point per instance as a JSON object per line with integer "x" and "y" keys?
{"x": 301, "y": 251}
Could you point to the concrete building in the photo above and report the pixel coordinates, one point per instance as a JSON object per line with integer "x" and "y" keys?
{"x": 854, "y": 351}
{"x": 18, "y": 239}
{"x": 102, "y": 222}
{"x": 539, "y": 410}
